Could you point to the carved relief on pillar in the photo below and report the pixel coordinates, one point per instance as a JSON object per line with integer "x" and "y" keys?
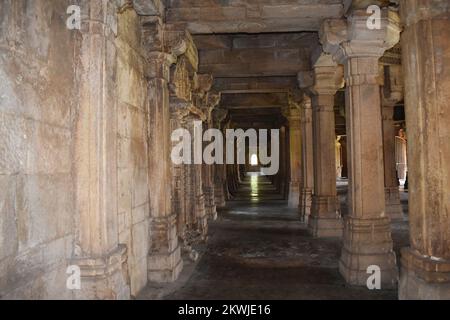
{"x": 206, "y": 100}
{"x": 351, "y": 43}
{"x": 164, "y": 47}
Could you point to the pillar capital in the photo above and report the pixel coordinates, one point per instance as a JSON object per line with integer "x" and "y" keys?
{"x": 326, "y": 78}
{"x": 163, "y": 44}
{"x": 350, "y": 38}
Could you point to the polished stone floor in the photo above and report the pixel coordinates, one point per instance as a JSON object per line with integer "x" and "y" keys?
{"x": 258, "y": 249}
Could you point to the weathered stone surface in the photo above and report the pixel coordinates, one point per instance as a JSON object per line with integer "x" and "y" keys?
{"x": 202, "y": 16}
{"x": 425, "y": 265}
{"x": 367, "y": 238}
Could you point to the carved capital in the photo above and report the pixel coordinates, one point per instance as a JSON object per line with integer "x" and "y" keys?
{"x": 326, "y": 78}
{"x": 180, "y": 42}
{"x": 352, "y": 38}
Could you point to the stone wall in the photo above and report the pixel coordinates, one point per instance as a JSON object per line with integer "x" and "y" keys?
{"x": 37, "y": 108}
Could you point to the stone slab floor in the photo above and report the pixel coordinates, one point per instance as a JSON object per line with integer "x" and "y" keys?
{"x": 258, "y": 249}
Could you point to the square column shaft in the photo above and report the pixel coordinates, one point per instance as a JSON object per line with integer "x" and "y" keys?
{"x": 425, "y": 266}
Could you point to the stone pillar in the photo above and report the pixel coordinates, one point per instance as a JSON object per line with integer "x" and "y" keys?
{"x": 293, "y": 116}
{"x": 283, "y": 172}
{"x": 164, "y": 261}
{"x": 392, "y": 94}
{"x": 307, "y": 161}
{"x": 103, "y": 261}
{"x": 219, "y": 173}
{"x": 207, "y": 100}
{"x": 325, "y": 219}
{"x": 425, "y": 272}
{"x": 367, "y": 235}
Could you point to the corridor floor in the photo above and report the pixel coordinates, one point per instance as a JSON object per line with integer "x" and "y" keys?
{"x": 258, "y": 249}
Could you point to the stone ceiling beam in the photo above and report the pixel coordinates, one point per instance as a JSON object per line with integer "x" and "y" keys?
{"x": 250, "y": 16}
{"x": 255, "y": 84}
{"x": 254, "y": 100}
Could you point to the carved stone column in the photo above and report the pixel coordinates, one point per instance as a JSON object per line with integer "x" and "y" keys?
{"x": 103, "y": 261}
{"x": 426, "y": 57}
{"x": 206, "y": 100}
{"x": 367, "y": 235}
{"x": 199, "y": 208}
{"x": 325, "y": 219}
{"x": 392, "y": 94}
{"x": 164, "y": 261}
{"x": 292, "y": 114}
{"x": 219, "y": 115}
{"x": 307, "y": 160}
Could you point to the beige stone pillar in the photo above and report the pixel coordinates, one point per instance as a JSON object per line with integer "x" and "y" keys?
{"x": 307, "y": 160}
{"x": 292, "y": 114}
{"x": 325, "y": 219}
{"x": 367, "y": 235}
{"x": 164, "y": 262}
{"x": 392, "y": 93}
{"x": 219, "y": 116}
{"x": 425, "y": 270}
{"x": 102, "y": 260}
{"x": 208, "y": 101}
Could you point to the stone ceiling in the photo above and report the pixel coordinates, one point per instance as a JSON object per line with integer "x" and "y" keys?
{"x": 252, "y": 16}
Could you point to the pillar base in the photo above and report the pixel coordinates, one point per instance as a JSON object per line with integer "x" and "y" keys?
{"x": 305, "y": 204}
{"x": 104, "y": 278}
{"x": 321, "y": 227}
{"x": 294, "y": 195}
{"x": 423, "y": 278}
{"x": 165, "y": 267}
{"x": 164, "y": 262}
{"x": 368, "y": 242}
{"x": 325, "y": 220}
{"x": 394, "y": 208}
